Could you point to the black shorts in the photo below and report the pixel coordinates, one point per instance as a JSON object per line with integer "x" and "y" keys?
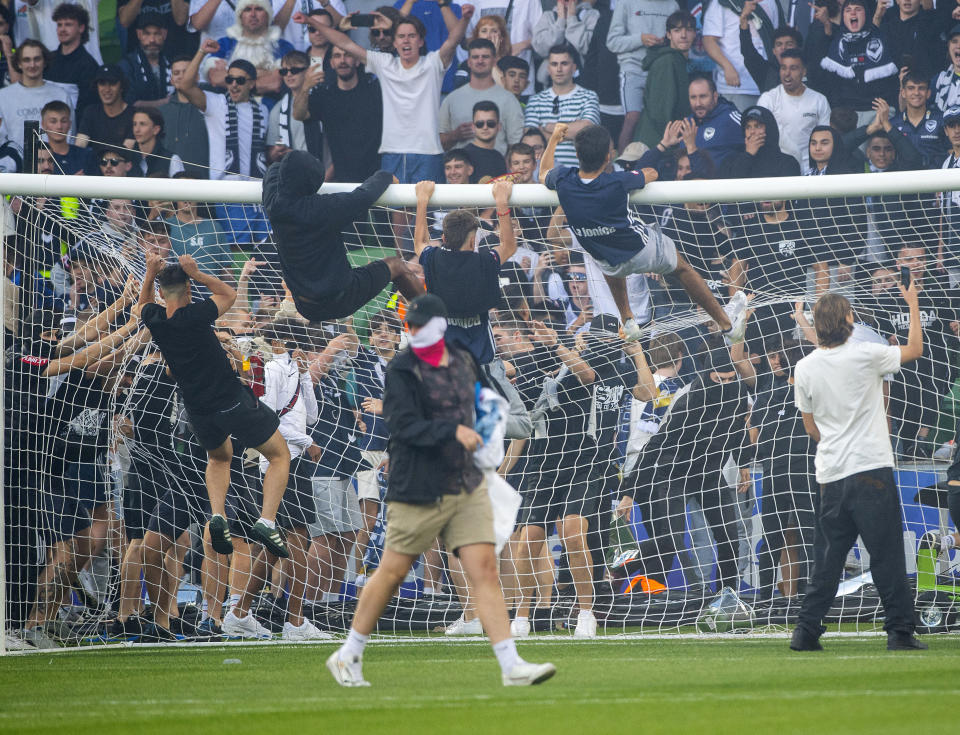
{"x": 250, "y": 421}
{"x": 141, "y": 490}
{"x": 571, "y": 491}
{"x": 71, "y": 492}
{"x": 184, "y": 500}
{"x": 297, "y": 509}
{"x": 361, "y": 286}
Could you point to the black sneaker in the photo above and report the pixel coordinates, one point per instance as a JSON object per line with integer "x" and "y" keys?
{"x": 184, "y": 628}
{"x": 271, "y": 538}
{"x": 157, "y": 634}
{"x": 905, "y": 642}
{"x": 208, "y": 630}
{"x": 801, "y": 640}
{"x": 129, "y": 628}
{"x": 220, "y": 537}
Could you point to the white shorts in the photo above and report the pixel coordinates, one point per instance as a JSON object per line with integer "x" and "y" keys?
{"x": 659, "y": 256}
{"x": 632, "y": 85}
{"x": 337, "y": 508}
{"x": 368, "y": 486}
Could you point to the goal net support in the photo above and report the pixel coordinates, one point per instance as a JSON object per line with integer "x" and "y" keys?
{"x": 651, "y": 482}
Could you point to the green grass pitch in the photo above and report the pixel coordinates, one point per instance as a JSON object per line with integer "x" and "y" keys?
{"x": 748, "y": 687}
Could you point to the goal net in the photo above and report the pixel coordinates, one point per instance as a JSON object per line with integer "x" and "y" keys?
{"x": 668, "y": 488}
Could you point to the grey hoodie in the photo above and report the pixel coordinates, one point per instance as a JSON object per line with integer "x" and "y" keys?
{"x": 631, "y": 19}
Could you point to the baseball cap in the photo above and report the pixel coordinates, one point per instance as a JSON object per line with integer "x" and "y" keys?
{"x": 151, "y": 18}
{"x": 951, "y": 115}
{"x": 423, "y": 308}
{"x": 633, "y": 152}
{"x": 955, "y": 31}
{"x": 108, "y": 73}
{"x": 605, "y": 323}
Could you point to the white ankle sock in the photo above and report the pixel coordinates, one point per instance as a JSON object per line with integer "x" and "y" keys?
{"x": 354, "y": 644}
{"x": 234, "y": 601}
{"x": 507, "y": 655}
{"x": 521, "y": 618}
{"x": 585, "y": 615}
{"x": 268, "y": 524}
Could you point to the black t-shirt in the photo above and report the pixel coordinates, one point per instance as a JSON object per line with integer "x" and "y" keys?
{"x": 197, "y": 360}
{"x": 532, "y": 368}
{"x": 486, "y": 162}
{"x": 77, "y": 68}
{"x": 77, "y": 416}
{"x": 775, "y": 253}
{"x": 103, "y": 129}
{"x": 180, "y": 41}
{"x": 353, "y": 125}
{"x": 150, "y": 405}
{"x": 583, "y": 429}
{"x": 702, "y": 239}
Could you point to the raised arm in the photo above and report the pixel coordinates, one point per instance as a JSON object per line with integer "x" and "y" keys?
{"x": 546, "y": 160}
{"x": 571, "y": 358}
{"x": 92, "y": 352}
{"x": 914, "y": 347}
{"x": 222, "y": 295}
{"x": 646, "y": 387}
{"x": 100, "y": 325}
{"x": 301, "y": 99}
{"x": 147, "y": 291}
{"x": 449, "y": 46}
{"x": 187, "y": 85}
{"x": 508, "y": 238}
{"x": 337, "y": 38}
{"x": 421, "y": 233}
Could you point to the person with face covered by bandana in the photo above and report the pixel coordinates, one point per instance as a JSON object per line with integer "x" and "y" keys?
{"x": 307, "y": 228}
{"x": 434, "y": 489}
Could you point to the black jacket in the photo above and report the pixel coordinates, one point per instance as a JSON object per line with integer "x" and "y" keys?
{"x": 769, "y": 160}
{"x": 416, "y": 438}
{"x": 308, "y": 226}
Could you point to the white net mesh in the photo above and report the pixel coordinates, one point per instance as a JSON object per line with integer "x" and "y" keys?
{"x": 647, "y": 484}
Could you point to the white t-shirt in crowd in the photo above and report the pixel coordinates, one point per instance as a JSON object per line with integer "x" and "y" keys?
{"x": 215, "y": 116}
{"x": 842, "y": 388}
{"x": 44, "y": 29}
{"x": 19, "y": 104}
{"x": 224, "y": 17}
{"x": 411, "y": 102}
{"x": 796, "y": 117}
{"x": 725, "y": 25}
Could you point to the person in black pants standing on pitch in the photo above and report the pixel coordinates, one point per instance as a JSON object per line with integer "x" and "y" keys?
{"x": 838, "y": 389}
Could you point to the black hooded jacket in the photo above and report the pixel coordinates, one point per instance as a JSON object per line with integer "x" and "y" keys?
{"x": 308, "y": 227}
{"x": 769, "y": 160}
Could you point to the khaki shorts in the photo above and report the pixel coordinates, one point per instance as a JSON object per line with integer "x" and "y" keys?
{"x": 459, "y": 520}
{"x": 368, "y": 488}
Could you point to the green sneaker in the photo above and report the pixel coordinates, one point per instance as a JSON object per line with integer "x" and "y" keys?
{"x": 220, "y": 537}
{"x": 271, "y": 538}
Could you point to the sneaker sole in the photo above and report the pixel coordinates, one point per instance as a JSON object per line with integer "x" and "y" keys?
{"x": 547, "y": 674}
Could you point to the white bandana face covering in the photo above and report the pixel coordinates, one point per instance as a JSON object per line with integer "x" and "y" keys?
{"x": 430, "y": 333}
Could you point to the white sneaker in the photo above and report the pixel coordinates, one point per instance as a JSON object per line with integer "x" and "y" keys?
{"x": 520, "y": 628}
{"x": 305, "y": 632}
{"x": 347, "y": 674}
{"x": 16, "y": 643}
{"x": 945, "y": 452}
{"x": 586, "y": 625}
{"x": 464, "y": 627}
{"x": 631, "y": 330}
{"x": 526, "y": 674}
{"x": 736, "y": 310}
{"x": 247, "y": 627}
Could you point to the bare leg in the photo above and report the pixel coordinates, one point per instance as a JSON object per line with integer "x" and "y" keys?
{"x": 573, "y": 534}
{"x": 459, "y": 580}
{"x": 218, "y": 477}
{"x": 618, "y": 289}
{"x": 339, "y": 559}
{"x": 698, "y": 290}
{"x": 380, "y": 588}
{"x": 130, "y": 567}
{"x": 545, "y": 573}
{"x": 528, "y": 547}
{"x": 298, "y": 542}
{"x": 433, "y": 567}
{"x": 216, "y": 572}
{"x": 155, "y": 547}
{"x": 480, "y": 566}
{"x": 791, "y": 569}
{"x": 241, "y": 568}
{"x": 369, "y": 509}
{"x": 275, "y": 478}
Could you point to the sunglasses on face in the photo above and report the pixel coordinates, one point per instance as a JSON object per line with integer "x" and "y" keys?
{"x": 576, "y": 276}
{"x": 378, "y": 32}
{"x": 236, "y": 80}
{"x": 111, "y": 161}
{"x": 480, "y": 124}
{"x": 292, "y": 70}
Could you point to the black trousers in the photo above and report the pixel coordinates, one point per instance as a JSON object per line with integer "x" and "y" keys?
{"x": 868, "y": 504}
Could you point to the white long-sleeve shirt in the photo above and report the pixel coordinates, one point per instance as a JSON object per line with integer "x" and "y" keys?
{"x": 281, "y": 376}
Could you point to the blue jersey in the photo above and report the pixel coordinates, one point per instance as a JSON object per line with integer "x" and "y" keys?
{"x": 927, "y": 137}
{"x": 598, "y": 212}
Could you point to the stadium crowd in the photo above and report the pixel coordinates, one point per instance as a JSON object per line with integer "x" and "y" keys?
{"x": 104, "y": 477}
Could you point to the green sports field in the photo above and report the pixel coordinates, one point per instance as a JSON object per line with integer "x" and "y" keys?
{"x": 684, "y": 686}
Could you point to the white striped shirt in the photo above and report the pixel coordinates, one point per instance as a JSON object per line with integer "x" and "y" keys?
{"x": 578, "y": 104}
{"x": 281, "y": 376}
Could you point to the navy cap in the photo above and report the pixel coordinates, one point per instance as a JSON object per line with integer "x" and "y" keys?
{"x": 423, "y": 308}
{"x": 951, "y": 115}
{"x": 108, "y": 73}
